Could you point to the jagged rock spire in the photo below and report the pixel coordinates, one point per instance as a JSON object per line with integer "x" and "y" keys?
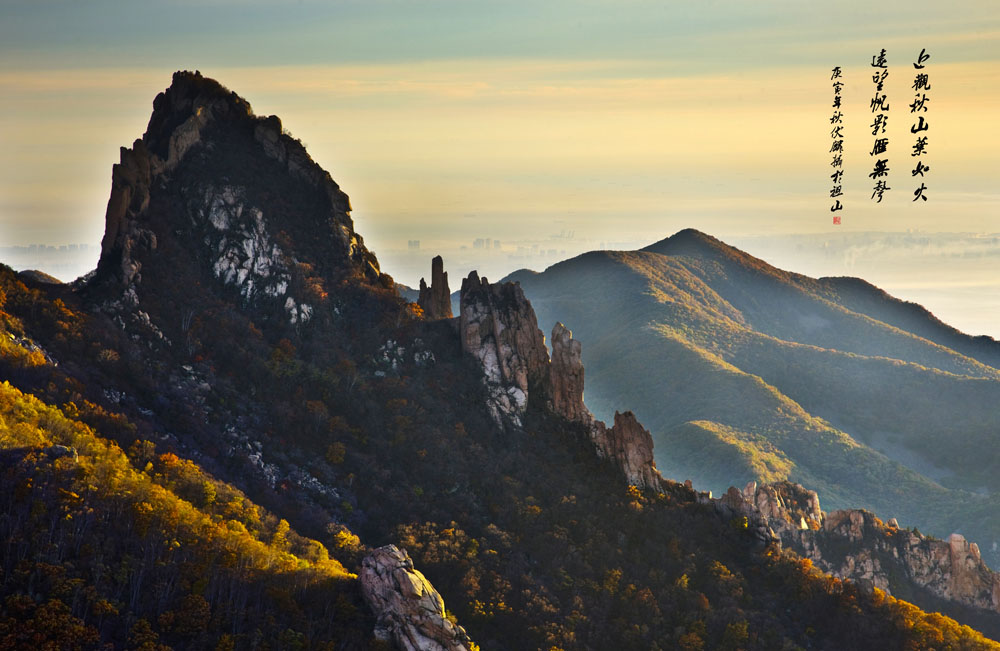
{"x": 566, "y": 376}
{"x": 498, "y": 327}
{"x": 436, "y": 299}
{"x": 257, "y": 220}
{"x": 630, "y": 446}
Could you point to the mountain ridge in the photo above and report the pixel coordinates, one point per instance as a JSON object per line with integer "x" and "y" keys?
{"x": 684, "y": 297}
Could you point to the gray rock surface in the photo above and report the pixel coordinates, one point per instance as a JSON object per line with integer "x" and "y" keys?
{"x": 436, "y": 299}
{"x": 497, "y": 326}
{"x": 195, "y": 118}
{"x": 854, "y": 544}
{"x": 566, "y": 376}
{"x": 630, "y": 446}
{"x": 408, "y": 610}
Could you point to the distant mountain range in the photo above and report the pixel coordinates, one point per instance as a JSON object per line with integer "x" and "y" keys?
{"x": 744, "y": 371}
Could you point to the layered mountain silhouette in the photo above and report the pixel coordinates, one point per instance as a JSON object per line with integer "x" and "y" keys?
{"x": 744, "y": 371}
{"x": 235, "y": 434}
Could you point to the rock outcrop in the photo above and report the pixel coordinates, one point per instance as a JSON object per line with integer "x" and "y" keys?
{"x": 951, "y": 569}
{"x": 566, "y": 376}
{"x": 854, "y": 544}
{"x": 408, "y": 610}
{"x": 436, "y": 299}
{"x": 498, "y": 327}
{"x": 786, "y": 503}
{"x": 242, "y": 200}
{"x": 124, "y": 235}
{"x": 742, "y": 514}
{"x": 630, "y": 446}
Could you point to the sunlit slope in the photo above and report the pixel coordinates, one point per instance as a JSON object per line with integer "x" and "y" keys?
{"x": 797, "y": 308}
{"x": 757, "y": 432}
{"x": 865, "y": 298}
{"x": 745, "y": 371}
{"x": 150, "y": 546}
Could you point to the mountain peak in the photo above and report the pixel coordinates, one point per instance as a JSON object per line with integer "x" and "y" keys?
{"x": 230, "y": 201}
{"x": 189, "y": 95}
{"x": 695, "y": 244}
{"x": 686, "y": 242}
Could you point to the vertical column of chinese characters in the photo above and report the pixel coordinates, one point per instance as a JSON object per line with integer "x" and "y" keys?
{"x": 919, "y": 105}
{"x": 881, "y": 146}
{"x": 837, "y": 147}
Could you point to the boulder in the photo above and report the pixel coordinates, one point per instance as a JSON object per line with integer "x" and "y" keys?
{"x": 408, "y": 610}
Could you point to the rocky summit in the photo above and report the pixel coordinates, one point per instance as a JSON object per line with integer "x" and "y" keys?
{"x": 498, "y": 327}
{"x": 212, "y": 186}
{"x": 566, "y": 376}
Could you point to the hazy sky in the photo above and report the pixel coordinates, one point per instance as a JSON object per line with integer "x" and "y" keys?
{"x": 445, "y": 121}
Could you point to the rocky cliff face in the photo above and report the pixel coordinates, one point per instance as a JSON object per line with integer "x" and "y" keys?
{"x": 566, "y": 376}
{"x": 498, "y": 327}
{"x": 855, "y": 544}
{"x": 408, "y": 610}
{"x": 240, "y": 198}
{"x": 124, "y": 235}
{"x": 436, "y": 299}
{"x": 951, "y": 569}
{"x": 630, "y": 446}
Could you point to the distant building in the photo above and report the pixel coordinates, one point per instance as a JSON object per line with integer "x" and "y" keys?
{"x": 413, "y": 245}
